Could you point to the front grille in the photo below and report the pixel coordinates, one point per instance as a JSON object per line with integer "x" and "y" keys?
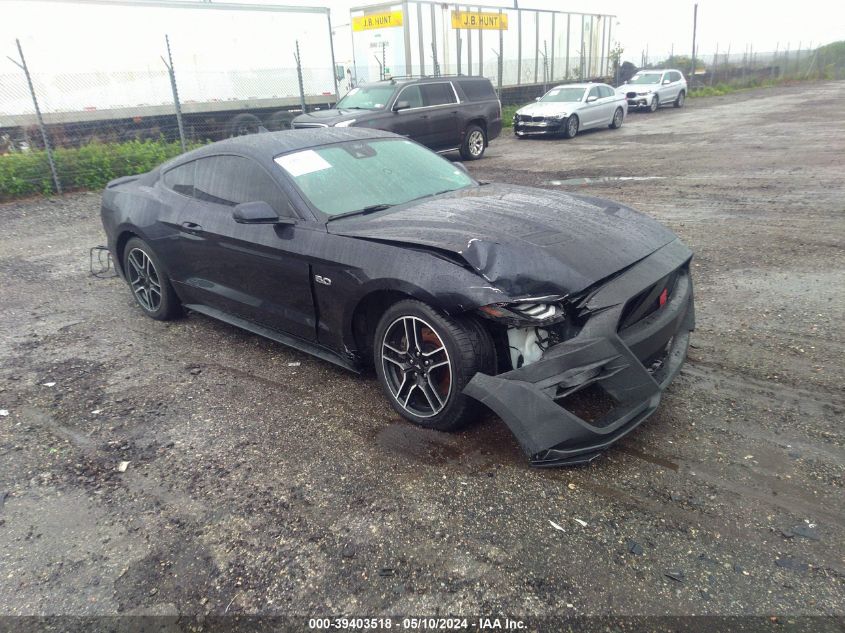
{"x": 648, "y": 301}
{"x": 631, "y": 95}
{"x": 527, "y": 118}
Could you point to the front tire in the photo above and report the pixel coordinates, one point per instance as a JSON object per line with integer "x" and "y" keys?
{"x": 570, "y": 128}
{"x": 679, "y": 102}
{"x": 655, "y": 103}
{"x": 424, "y": 359}
{"x": 149, "y": 283}
{"x": 475, "y": 142}
{"x": 616, "y": 121}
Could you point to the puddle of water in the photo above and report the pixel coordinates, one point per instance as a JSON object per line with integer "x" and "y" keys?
{"x": 600, "y": 180}
{"x": 421, "y": 444}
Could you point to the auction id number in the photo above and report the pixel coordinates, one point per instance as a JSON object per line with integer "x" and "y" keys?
{"x": 419, "y": 624}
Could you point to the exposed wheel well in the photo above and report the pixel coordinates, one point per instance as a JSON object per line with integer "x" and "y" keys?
{"x": 370, "y": 309}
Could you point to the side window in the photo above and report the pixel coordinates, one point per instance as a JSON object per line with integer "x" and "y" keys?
{"x": 231, "y": 180}
{"x": 676, "y": 76}
{"x": 477, "y": 89}
{"x": 412, "y": 95}
{"x": 605, "y": 91}
{"x": 438, "y": 94}
{"x": 595, "y": 91}
{"x": 181, "y": 179}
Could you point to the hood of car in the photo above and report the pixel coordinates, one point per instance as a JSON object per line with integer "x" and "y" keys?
{"x": 637, "y": 87}
{"x": 546, "y": 108}
{"x": 525, "y": 241}
{"x": 329, "y": 117}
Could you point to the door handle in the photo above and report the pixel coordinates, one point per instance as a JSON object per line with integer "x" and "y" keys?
{"x": 192, "y": 227}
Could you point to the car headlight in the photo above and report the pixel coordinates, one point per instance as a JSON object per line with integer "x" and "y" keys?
{"x": 346, "y": 123}
{"x": 642, "y": 94}
{"x": 523, "y": 314}
{"x": 557, "y": 116}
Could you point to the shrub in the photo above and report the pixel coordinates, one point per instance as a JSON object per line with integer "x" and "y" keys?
{"x": 88, "y": 167}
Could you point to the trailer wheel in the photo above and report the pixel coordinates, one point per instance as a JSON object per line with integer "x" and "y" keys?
{"x": 244, "y": 124}
{"x": 280, "y": 120}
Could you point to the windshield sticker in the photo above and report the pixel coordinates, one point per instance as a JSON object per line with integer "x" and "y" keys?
{"x": 301, "y": 163}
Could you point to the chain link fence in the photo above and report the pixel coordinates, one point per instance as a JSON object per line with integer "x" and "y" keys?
{"x": 131, "y": 85}
{"x": 747, "y": 67}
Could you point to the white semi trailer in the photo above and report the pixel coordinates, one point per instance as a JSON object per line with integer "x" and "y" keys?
{"x": 99, "y": 67}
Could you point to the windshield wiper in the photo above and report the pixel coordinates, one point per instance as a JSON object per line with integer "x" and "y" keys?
{"x": 437, "y": 193}
{"x": 365, "y": 211}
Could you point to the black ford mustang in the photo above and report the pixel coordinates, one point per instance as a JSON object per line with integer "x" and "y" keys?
{"x": 362, "y": 247}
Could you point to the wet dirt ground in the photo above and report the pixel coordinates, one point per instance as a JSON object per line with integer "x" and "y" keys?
{"x": 261, "y": 480}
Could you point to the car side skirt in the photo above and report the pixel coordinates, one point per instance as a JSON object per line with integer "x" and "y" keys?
{"x": 274, "y": 335}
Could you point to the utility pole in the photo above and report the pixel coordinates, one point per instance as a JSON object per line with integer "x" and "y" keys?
{"x": 694, "y": 27}
{"x": 41, "y": 127}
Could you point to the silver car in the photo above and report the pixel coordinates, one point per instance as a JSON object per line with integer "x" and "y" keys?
{"x": 570, "y": 108}
{"x": 654, "y": 88}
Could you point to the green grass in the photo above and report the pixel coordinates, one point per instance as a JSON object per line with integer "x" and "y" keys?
{"x": 507, "y": 114}
{"x": 88, "y": 167}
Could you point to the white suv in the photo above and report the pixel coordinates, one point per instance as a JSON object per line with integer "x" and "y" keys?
{"x": 654, "y": 88}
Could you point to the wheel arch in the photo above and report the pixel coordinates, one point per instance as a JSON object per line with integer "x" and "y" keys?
{"x": 367, "y": 311}
{"x": 481, "y": 122}
{"x": 120, "y": 246}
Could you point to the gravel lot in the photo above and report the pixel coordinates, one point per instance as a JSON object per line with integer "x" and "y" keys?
{"x": 262, "y": 480}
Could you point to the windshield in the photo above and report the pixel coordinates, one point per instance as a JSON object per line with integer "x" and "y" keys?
{"x": 354, "y": 175}
{"x": 366, "y": 98}
{"x": 563, "y": 94}
{"x": 647, "y": 78}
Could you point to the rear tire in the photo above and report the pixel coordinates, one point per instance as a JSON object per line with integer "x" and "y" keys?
{"x": 679, "y": 102}
{"x": 149, "y": 282}
{"x": 424, "y": 359}
{"x": 475, "y": 142}
{"x": 655, "y": 103}
{"x": 280, "y": 120}
{"x": 570, "y": 127}
{"x": 244, "y": 124}
{"x": 616, "y": 121}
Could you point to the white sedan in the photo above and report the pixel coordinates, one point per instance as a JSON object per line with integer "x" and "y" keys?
{"x": 570, "y": 108}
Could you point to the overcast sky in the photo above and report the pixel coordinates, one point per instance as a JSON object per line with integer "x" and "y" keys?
{"x": 659, "y": 24}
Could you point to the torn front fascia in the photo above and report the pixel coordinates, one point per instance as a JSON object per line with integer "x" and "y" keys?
{"x": 527, "y": 398}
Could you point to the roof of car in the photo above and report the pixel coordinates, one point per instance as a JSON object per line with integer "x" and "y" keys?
{"x": 410, "y": 80}
{"x": 267, "y": 145}
{"x": 584, "y": 85}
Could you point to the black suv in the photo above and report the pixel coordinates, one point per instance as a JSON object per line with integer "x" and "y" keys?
{"x": 442, "y": 113}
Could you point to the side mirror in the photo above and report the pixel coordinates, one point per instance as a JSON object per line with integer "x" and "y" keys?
{"x": 667, "y": 81}
{"x": 592, "y": 98}
{"x": 401, "y": 105}
{"x": 258, "y": 213}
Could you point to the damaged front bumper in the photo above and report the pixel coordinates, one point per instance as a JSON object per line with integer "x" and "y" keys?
{"x": 632, "y": 366}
